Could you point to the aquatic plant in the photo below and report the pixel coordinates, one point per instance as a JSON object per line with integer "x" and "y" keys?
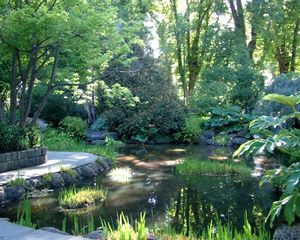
{"x": 124, "y": 230}
{"x": 24, "y": 218}
{"x": 77, "y": 198}
{"x": 192, "y": 165}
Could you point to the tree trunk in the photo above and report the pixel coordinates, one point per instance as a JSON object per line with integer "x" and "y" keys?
{"x": 13, "y": 89}
{"x": 28, "y": 97}
{"x": 282, "y": 59}
{"x": 181, "y": 67}
{"x": 294, "y": 45}
{"x": 49, "y": 91}
{"x": 2, "y": 112}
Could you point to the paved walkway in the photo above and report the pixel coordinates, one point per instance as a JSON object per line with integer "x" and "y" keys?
{"x": 11, "y": 231}
{"x": 56, "y": 160}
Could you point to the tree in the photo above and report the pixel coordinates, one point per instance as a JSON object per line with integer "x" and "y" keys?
{"x": 49, "y": 41}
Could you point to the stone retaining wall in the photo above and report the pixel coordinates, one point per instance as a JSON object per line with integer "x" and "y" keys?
{"x": 21, "y": 159}
{"x": 35, "y": 186}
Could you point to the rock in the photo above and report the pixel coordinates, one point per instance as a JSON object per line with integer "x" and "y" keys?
{"x": 57, "y": 181}
{"x": 241, "y": 134}
{"x": 38, "y": 182}
{"x": 141, "y": 152}
{"x": 113, "y": 135}
{"x": 95, "y": 135}
{"x": 28, "y": 185}
{"x": 98, "y": 142}
{"x": 14, "y": 193}
{"x": 104, "y": 162}
{"x": 2, "y": 194}
{"x": 95, "y": 167}
{"x": 207, "y": 137}
{"x": 238, "y": 141}
{"x": 285, "y": 232}
{"x": 96, "y": 235}
{"x": 87, "y": 172}
{"x": 53, "y": 230}
{"x": 68, "y": 179}
{"x": 5, "y": 219}
{"x": 151, "y": 237}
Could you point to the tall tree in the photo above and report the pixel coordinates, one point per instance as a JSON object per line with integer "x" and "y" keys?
{"x": 49, "y": 41}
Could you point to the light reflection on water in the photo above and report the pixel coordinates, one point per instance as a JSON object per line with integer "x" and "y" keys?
{"x": 186, "y": 202}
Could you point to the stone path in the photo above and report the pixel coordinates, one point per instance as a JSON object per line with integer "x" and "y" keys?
{"x": 56, "y": 160}
{"x": 11, "y": 231}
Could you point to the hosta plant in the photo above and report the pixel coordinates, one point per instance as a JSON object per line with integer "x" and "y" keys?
{"x": 275, "y": 137}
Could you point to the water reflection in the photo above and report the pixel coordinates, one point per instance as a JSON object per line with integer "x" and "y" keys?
{"x": 187, "y": 203}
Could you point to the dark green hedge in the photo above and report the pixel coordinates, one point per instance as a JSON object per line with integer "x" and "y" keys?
{"x": 15, "y": 138}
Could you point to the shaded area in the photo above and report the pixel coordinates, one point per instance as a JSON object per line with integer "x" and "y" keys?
{"x": 187, "y": 203}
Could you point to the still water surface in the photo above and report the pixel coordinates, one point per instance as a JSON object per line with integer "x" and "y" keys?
{"x": 166, "y": 197}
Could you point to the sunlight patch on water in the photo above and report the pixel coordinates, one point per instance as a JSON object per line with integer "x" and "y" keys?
{"x": 121, "y": 174}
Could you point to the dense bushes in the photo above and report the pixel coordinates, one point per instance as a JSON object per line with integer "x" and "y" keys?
{"x": 146, "y": 107}
{"x": 228, "y": 119}
{"x": 74, "y": 126}
{"x": 285, "y": 84}
{"x": 191, "y": 130}
{"x": 223, "y": 85}
{"x": 15, "y": 138}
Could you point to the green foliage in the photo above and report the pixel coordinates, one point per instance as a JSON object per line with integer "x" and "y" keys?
{"x": 276, "y": 138}
{"x": 71, "y": 172}
{"x": 15, "y": 138}
{"x": 56, "y": 140}
{"x": 191, "y": 130}
{"x": 284, "y": 84}
{"x": 24, "y": 218}
{"x": 221, "y": 139}
{"x": 124, "y": 230}
{"x": 19, "y": 181}
{"x": 157, "y": 114}
{"x": 229, "y": 119}
{"x": 99, "y": 124}
{"x": 74, "y": 126}
{"x": 274, "y": 135}
{"x": 47, "y": 177}
{"x": 59, "y": 105}
{"x": 78, "y": 198}
{"x": 194, "y": 165}
{"x": 288, "y": 180}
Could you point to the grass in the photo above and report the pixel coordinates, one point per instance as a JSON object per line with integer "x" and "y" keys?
{"x": 124, "y": 230}
{"x": 19, "y": 181}
{"x": 68, "y": 171}
{"x": 192, "y": 165}
{"x": 56, "y": 140}
{"x": 24, "y": 215}
{"x": 78, "y": 198}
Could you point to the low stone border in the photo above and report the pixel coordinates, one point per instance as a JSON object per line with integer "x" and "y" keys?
{"x": 54, "y": 180}
{"x": 22, "y": 159}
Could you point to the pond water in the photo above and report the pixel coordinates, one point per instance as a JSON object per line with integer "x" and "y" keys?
{"x": 166, "y": 197}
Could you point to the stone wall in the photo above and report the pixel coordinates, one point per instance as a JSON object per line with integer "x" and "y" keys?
{"x": 21, "y": 159}
{"x": 40, "y": 186}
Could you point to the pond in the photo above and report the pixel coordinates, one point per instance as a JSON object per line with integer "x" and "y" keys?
{"x": 147, "y": 182}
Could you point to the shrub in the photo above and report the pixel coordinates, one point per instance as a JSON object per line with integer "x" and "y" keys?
{"x": 221, "y": 139}
{"x": 74, "y": 126}
{"x": 192, "y": 129}
{"x": 229, "y": 119}
{"x": 78, "y": 198}
{"x": 15, "y": 138}
{"x": 284, "y": 84}
{"x": 276, "y": 138}
{"x": 99, "y": 124}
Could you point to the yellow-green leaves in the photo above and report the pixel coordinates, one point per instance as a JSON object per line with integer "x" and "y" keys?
{"x": 291, "y": 101}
